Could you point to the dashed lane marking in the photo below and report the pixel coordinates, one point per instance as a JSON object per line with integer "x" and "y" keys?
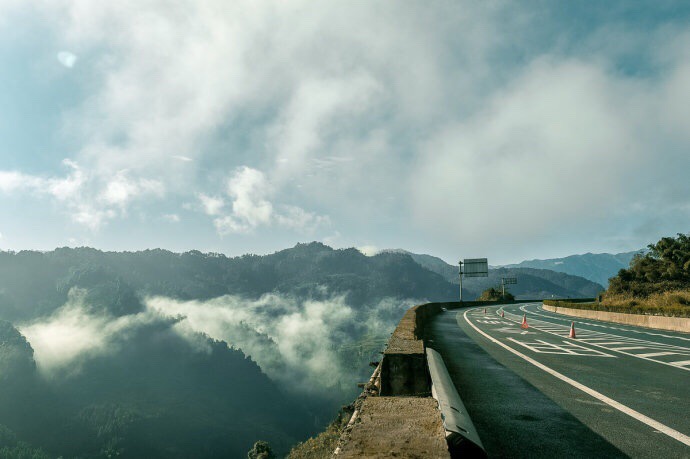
{"x": 654, "y": 424}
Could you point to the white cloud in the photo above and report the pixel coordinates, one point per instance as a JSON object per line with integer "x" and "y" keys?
{"x": 211, "y": 205}
{"x": 67, "y": 59}
{"x": 369, "y": 250}
{"x": 249, "y": 191}
{"x": 173, "y": 218}
{"x": 74, "y": 334}
{"x": 248, "y": 188}
{"x": 302, "y": 343}
{"x": 297, "y": 219}
{"x": 121, "y": 189}
{"x": 437, "y": 117}
{"x": 185, "y": 159}
{"x": 89, "y": 199}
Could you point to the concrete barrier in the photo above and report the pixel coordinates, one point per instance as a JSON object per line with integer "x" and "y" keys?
{"x": 680, "y": 324}
{"x": 403, "y": 367}
{"x": 396, "y": 416}
{"x": 401, "y": 420}
{"x": 463, "y": 439}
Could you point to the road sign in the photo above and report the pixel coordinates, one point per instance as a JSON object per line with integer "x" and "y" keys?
{"x": 509, "y": 280}
{"x": 476, "y": 267}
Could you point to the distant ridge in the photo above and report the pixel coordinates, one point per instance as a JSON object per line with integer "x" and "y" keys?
{"x": 597, "y": 267}
{"x": 532, "y": 282}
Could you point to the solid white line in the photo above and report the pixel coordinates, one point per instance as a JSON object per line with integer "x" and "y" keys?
{"x": 587, "y": 390}
{"x": 681, "y": 363}
{"x": 657, "y": 354}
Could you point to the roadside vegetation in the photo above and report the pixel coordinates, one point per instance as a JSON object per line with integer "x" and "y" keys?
{"x": 495, "y": 294}
{"x": 656, "y": 283}
{"x": 322, "y": 445}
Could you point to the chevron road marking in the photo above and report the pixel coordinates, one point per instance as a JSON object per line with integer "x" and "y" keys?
{"x": 681, "y": 437}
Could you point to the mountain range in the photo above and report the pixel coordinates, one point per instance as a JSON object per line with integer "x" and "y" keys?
{"x": 162, "y": 354}
{"x": 531, "y": 282}
{"x": 597, "y": 267}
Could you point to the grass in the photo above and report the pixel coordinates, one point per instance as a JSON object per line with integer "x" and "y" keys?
{"x": 322, "y": 445}
{"x": 674, "y": 303}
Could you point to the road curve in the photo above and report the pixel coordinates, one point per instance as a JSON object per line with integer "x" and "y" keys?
{"x": 612, "y": 391}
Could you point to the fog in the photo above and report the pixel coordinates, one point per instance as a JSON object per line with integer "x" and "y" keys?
{"x": 305, "y": 344}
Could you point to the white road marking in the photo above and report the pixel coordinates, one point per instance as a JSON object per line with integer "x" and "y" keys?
{"x": 595, "y": 339}
{"x": 681, "y": 437}
{"x": 540, "y": 308}
{"x": 657, "y": 354}
{"x": 630, "y": 348}
{"x": 544, "y": 347}
{"x": 681, "y": 363}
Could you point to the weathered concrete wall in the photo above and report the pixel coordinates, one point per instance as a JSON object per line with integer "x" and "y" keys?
{"x": 681, "y": 324}
{"x": 395, "y": 415}
{"x": 403, "y": 368}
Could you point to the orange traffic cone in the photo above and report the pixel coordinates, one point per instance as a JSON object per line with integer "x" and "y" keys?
{"x": 524, "y": 322}
{"x": 572, "y": 330}
{"x": 503, "y": 314}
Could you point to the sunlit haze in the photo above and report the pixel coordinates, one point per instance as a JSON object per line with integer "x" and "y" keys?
{"x": 509, "y": 130}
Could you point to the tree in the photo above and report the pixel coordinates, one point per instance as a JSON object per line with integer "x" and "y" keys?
{"x": 261, "y": 450}
{"x": 495, "y": 294}
{"x": 665, "y": 267}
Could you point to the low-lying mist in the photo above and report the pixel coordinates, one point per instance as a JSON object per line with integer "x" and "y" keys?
{"x": 304, "y": 344}
{"x": 310, "y": 345}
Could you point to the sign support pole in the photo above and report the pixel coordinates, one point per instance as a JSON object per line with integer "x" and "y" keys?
{"x": 460, "y": 281}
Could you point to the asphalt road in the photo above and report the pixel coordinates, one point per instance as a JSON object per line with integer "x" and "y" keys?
{"x": 612, "y": 391}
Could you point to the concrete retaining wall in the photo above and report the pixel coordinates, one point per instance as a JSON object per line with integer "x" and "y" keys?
{"x": 403, "y": 368}
{"x": 681, "y": 324}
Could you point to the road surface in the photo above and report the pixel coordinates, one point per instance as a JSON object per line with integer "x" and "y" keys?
{"x": 612, "y": 391}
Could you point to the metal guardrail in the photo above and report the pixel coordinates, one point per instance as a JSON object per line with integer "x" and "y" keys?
{"x": 463, "y": 439}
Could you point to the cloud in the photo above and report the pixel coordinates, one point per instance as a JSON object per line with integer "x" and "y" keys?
{"x": 67, "y": 59}
{"x": 185, "y": 159}
{"x": 89, "y": 199}
{"x": 211, "y": 205}
{"x": 249, "y": 191}
{"x": 308, "y": 344}
{"x": 369, "y": 250}
{"x": 364, "y": 126}
{"x": 121, "y": 189}
{"x": 75, "y": 334}
{"x": 173, "y": 218}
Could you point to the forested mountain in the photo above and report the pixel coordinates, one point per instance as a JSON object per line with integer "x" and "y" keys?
{"x": 532, "y": 283}
{"x": 147, "y": 354}
{"x": 161, "y": 354}
{"x": 597, "y": 267}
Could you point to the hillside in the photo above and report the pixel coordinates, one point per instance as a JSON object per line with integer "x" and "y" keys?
{"x": 597, "y": 267}
{"x": 155, "y": 353}
{"x": 532, "y": 283}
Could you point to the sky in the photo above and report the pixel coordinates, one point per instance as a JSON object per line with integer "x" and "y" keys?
{"x": 507, "y": 130}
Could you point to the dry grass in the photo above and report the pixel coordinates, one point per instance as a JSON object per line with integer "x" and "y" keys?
{"x": 670, "y": 299}
{"x": 323, "y": 445}
{"x": 674, "y": 303}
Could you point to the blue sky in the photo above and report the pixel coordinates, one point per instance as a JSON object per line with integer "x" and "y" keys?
{"x": 510, "y": 130}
